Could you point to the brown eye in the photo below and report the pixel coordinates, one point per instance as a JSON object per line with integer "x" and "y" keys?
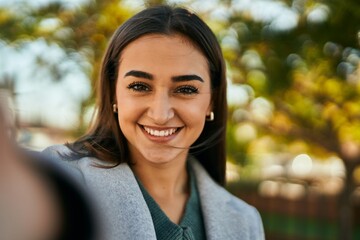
{"x": 139, "y": 87}
{"x": 187, "y": 90}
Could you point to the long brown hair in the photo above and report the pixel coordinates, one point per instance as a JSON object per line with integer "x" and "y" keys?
{"x": 105, "y": 139}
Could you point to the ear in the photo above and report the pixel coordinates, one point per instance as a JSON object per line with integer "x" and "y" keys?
{"x": 209, "y": 109}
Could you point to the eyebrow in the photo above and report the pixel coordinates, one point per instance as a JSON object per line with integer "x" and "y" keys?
{"x": 184, "y": 78}
{"x": 139, "y": 74}
{"x": 180, "y": 78}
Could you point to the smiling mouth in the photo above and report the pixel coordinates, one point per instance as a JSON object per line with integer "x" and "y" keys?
{"x": 160, "y": 133}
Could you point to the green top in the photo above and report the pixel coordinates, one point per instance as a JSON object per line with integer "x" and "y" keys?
{"x": 191, "y": 226}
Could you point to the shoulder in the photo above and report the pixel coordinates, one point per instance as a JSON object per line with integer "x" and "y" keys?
{"x": 221, "y": 208}
{"x": 91, "y": 169}
{"x": 66, "y": 154}
{"x": 56, "y": 150}
{"x": 61, "y": 155}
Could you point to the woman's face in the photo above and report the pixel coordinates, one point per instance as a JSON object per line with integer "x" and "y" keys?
{"x": 163, "y": 95}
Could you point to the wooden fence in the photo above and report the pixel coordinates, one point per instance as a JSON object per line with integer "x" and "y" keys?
{"x": 312, "y": 217}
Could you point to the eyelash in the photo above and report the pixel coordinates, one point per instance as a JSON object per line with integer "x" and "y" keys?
{"x": 139, "y": 87}
{"x": 143, "y": 87}
{"x": 187, "y": 90}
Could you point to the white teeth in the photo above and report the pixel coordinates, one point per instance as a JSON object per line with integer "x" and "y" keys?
{"x": 160, "y": 133}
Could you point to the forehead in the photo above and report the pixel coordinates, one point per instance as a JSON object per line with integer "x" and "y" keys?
{"x": 162, "y": 48}
{"x": 166, "y": 39}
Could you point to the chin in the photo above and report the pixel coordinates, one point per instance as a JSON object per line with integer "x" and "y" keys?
{"x": 156, "y": 158}
{"x": 163, "y": 158}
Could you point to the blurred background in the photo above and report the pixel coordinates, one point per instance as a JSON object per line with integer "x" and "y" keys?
{"x": 294, "y": 96}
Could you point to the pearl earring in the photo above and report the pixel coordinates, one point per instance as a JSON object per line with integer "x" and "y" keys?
{"x": 210, "y": 117}
{"x": 115, "y": 109}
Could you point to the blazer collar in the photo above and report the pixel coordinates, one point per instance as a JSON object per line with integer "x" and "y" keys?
{"x": 121, "y": 201}
{"x": 222, "y": 218}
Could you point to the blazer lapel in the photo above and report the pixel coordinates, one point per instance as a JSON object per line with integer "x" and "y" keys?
{"x": 120, "y": 200}
{"x": 222, "y": 218}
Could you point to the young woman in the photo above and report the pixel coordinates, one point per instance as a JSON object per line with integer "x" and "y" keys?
{"x": 155, "y": 156}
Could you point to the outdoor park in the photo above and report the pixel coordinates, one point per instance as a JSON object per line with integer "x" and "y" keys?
{"x": 293, "y": 68}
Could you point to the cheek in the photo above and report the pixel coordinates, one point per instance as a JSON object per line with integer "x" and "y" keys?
{"x": 127, "y": 121}
{"x": 125, "y": 102}
{"x": 126, "y": 109}
{"x": 194, "y": 113}
{"x": 127, "y": 112}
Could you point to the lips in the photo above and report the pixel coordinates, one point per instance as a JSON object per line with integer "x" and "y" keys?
{"x": 156, "y": 132}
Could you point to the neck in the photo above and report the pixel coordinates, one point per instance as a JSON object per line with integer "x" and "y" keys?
{"x": 165, "y": 180}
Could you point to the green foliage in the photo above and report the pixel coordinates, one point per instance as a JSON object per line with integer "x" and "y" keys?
{"x": 82, "y": 32}
{"x": 309, "y": 72}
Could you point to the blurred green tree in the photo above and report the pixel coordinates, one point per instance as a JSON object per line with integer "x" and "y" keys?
{"x": 82, "y": 32}
{"x": 302, "y": 60}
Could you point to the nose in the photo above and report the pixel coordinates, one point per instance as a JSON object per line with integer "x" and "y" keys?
{"x": 160, "y": 108}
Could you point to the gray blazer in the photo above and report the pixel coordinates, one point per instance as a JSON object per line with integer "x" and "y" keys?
{"x": 124, "y": 214}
